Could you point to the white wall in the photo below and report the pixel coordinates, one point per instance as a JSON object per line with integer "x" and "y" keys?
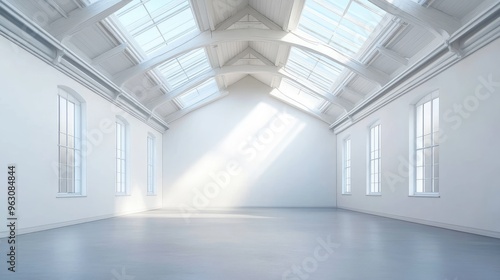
{"x": 469, "y": 154}
{"x": 290, "y": 165}
{"x": 28, "y": 123}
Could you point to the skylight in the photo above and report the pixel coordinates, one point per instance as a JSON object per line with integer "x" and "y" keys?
{"x": 198, "y": 94}
{"x": 315, "y": 68}
{"x": 298, "y": 95}
{"x": 345, "y": 25}
{"x": 181, "y": 69}
{"x": 156, "y": 23}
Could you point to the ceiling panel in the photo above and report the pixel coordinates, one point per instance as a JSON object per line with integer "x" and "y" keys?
{"x": 277, "y": 11}
{"x": 385, "y": 64}
{"x": 411, "y": 41}
{"x": 457, "y": 9}
{"x": 224, "y": 9}
{"x": 92, "y": 41}
{"x": 226, "y": 51}
{"x": 362, "y": 85}
{"x": 167, "y": 109}
{"x": 268, "y": 49}
{"x": 117, "y": 63}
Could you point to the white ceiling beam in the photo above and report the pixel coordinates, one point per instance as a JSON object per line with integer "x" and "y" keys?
{"x": 293, "y": 21}
{"x": 246, "y": 69}
{"x": 433, "y": 20}
{"x": 213, "y": 38}
{"x": 393, "y": 55}
{"x": 233, "y": 19}
{"x": 261, "y": 57}
{"x": 85, "y": 17}
{"x": 237, "y": 57}
{"x": 110, "y": 53}
{"x": 58, "y": 8}
{"x": 263, "y": 19}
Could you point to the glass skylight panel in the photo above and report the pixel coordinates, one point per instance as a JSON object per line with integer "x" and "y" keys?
{"x": 315, "y": 68}
{"x": 181, "y": 69}
{"x": 196, "y": 95}
{"x": 156, "y": 23}
{"x": 293, "y": 91}
{"x": 343, "y": 24}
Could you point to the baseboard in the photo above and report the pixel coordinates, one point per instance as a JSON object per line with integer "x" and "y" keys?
{"x": 477, "y": 231}
{"x": 21, "y": 231}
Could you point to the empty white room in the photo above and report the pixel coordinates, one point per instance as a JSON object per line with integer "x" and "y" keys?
{"x": 249, "y": 139}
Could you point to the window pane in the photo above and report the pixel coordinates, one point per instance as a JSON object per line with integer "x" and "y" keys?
{"x": 435, "y": 114}
{"x": 62, "y": 115}
{"x": 71, "y": 118}
{"x": 420, "y": 185}
{"x": 419, "y": 119}
{"x": 427, "y": 118}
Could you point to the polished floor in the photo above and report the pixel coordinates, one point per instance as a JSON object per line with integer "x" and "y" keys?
{"x": 253, "y": 244}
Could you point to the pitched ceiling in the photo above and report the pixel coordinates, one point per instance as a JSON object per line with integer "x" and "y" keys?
{"x": 324, "y": 57}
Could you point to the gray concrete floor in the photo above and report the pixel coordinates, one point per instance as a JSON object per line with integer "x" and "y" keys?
{"x": 257, "y": 244}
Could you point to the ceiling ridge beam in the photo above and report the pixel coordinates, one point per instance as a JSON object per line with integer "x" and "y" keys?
{"x": 213, "y": 38}
{"x": 85, "y": 17}
{"x": 433, "y": 20}
{"x": 109, "y": 53}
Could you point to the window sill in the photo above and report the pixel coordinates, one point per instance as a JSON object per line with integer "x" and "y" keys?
{"x": 62, "y": 195}
{"x": 347, "y": 194}
{"x": 122, "y": 194}
{"x": 151, "y": 194}
{"x": 374, "y": 194}
{"x": 431, "y": 195}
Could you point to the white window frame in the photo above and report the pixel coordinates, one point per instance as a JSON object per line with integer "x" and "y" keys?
{"x": 122, "y": 156}
{"x": 374, "y": 176}
{"x": 417, "y": 152}
{"x": 151, "y": 164}
{"x": 69, "y": 98}
{"x": 346, "y": 166}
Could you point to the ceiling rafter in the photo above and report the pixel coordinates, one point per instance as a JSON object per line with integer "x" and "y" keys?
{"x": 433, "y": 20}
{"x": 84, "y": 17}
{"x": 217, "y": 37}
{"x": 56, "y": 7}
{"x": 247, "y": 10}
{"x": 295, "y": 13}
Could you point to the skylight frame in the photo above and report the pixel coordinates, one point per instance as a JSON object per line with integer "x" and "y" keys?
{"x": 357, "y": 18}
{"x": 181, "y": 69}
{"x": 196, "y": 95}
{"x": 299, "y": 95}
{"x": 322, "y": 71}
{"x": 166, "y": 23}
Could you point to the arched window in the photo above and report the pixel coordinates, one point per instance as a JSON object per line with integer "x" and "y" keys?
{"x": 427, "y": 146}
{"x": 70, "y": 119}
